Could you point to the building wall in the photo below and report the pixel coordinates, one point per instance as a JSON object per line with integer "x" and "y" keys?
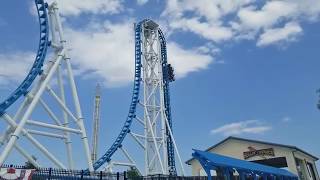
{"x": 235, "y": 148}
{"x": 306, "y": 159}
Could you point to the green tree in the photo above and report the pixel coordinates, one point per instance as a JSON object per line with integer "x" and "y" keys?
{"x": 133, "y": 174}
{"x": 29, "y": 165}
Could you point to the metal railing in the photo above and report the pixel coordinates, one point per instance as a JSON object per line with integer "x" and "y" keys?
{"x": 168, "y": 177}
{"x": 50, "y": 173}
{"x": 64, "y": 174}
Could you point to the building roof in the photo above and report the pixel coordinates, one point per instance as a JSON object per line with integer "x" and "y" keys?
{"x": 257, "y": 141}
{"x": 242, "y": 166}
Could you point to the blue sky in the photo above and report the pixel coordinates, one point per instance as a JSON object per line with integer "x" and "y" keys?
{"x": 243, "y": 68}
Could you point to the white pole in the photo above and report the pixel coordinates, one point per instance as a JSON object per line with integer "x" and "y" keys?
{"x": 137, "y": 140}
{"x": 73, "y": 90}
{"x": 58, "y": 22}
{"x": 175, "y": 146}
{"x": 52, "y": 28}
{"x": 79, "y": 115}
{"x": 50, "y": 112}
{"x": 51, "y": 126}
{"x": 42, "y": 133}
{"x": 66, "y": 121}
{"x": 62, "y": 105}
{"x": 123, "y": 164}
{"x": 26, "y": 155}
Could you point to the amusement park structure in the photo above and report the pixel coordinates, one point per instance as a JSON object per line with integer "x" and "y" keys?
{"x": 150, "y": 108}
{"x": 148, "y": 124}
{"x": 96, "y": 123}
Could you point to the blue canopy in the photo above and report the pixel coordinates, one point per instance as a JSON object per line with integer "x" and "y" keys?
{"x": 212, "y": 161}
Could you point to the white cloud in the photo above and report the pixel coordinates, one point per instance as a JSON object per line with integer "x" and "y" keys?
{"x": 185, "y": 61}
{"x": 213, "y": 32}
{"x": 76, "y": 7}
{"x": 288, "y": 33}
{"x": 222, "y": 20}
{"x": 309, "y": 9}
{"x": 14, "y": 67}
{"x": 208, "y": 9}
{"x": 242, "y": 127}
{"x": 142, "y": 2}
{"x": 270, "y": 14}
{"x": 203, "y": 18}
{"x": 106, "y": 51}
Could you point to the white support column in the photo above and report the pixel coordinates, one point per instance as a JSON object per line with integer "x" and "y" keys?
{"x": 51, "y": 126}
{"x": 73, "y": 88}
{"x": 50, "y": 112}
{"x": 26, "y": 155}
{"x": 47, "y": 134}
{"x": 138, "y": 141}
{"x": 79, "y": 115}
{"x": 175, "y": 146}
{"x": 52, "y": 26}
{"x": 67, "y": 141}
{"x": 62, "y": 105}
{"x": 152, "y": 77}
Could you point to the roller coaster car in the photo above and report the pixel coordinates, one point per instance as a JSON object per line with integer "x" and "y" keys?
{"x": 170, "y": 73}
{"x": 149, "y": 24}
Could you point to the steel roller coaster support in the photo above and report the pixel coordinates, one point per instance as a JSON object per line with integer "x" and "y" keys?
{"x": 152, "y": 76}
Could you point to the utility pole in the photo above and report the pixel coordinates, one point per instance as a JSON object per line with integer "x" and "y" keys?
{"x": 96, "y": 122}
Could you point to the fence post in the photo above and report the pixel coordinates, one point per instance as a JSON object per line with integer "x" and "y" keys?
{"x": 118, "y": 175}
{"x": 81, "y": 174}
{"x": 124, "y": 175}
{"x": 50, "y": 171}
{"x": 100, "y": 175}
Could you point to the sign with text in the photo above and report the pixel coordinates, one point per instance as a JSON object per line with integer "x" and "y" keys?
{"x": 261, "y": 152}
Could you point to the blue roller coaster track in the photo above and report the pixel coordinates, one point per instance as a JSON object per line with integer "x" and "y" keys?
{"x": 39, "y": 60}
{"x": 167, "y": 77}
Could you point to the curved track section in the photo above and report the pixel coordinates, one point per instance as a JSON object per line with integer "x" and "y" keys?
{"x": 136, "y": 88}
{"x": 39, "y": 60}
{"x": 135, "y": 99}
